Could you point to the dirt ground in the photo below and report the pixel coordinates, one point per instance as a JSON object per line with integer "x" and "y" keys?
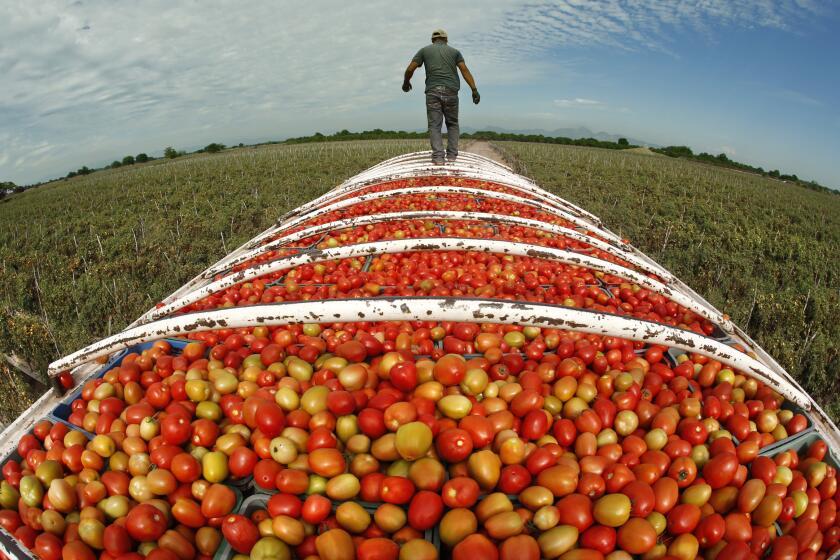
{"x": 483, "y": 148}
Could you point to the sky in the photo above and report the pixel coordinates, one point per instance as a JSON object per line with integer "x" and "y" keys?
{"x": 88, "y": 81}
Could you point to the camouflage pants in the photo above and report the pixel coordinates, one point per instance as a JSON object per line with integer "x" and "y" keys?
{"x": 442, "y": 105}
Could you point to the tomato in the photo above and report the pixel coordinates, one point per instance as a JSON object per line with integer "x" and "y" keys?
{"x": 454, "y": 445}
{"x": 576, "y": 510}
{"x": 684, "y": 471}
{"x": 450, "y": 369}
{"x": 242, "y": 462}
{"x": 270, "y": 419}
{"x": 267, "y": 476}
{"x": 145, "y": 523}
{"x": 460, "y": 492}
{"x": 175, "y": 429}
{"x": 475, "y": 546}
{"x": 396, "y": 490}
{"x": 535, "y": 425}
{"x": 519, "y": 547}
{"x": 514, "y": 479}
{"x": 425, "y": 510}
{"x": 720, "y": 469}
{"x": 327, "y": 462}
{"x": 116, "y": 540}
{"x": 218, "y": 500}
{"x": 315, "y": 509}
{"x": 599, "y": 538}
{"x": 683, "y": 519}
{"x": 335, "y": 544}
{"x": 240, "y": 532}
{"x": 48, "y": 546}
{"x": 185, "y": 467}
{"x": 641, "y": 496}
{"x": 403, "y": 376}
{"x": 612, "y": 510}
{"x": 188, "y": 512}
{"x": 77, "y": 550}
{"x": 377, "y": 549}
{"x": 637, "y": 536}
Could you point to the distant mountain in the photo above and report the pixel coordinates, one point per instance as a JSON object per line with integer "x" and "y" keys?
{"x": 578, "y": 132}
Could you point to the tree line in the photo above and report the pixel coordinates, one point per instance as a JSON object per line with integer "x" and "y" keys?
{"x": 379, "y": 134}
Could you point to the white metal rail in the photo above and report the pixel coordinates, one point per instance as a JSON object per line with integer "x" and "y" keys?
{"x": 439, "y": 244}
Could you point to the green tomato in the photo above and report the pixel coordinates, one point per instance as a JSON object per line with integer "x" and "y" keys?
{"x": 9, "y": 496}
{"x": 270, "y": 548}
{"x": 31, "y": 491}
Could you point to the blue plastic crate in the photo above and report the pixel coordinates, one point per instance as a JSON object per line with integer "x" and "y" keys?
{"x": 259, "y": 501}
{"x": 62, "y": 412}
{"x": 800, "y": 443}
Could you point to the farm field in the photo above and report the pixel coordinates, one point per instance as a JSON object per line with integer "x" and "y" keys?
{"x": 82, "y": 258}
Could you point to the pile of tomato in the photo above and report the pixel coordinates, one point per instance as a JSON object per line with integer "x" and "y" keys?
{"x": 419, "y": 440}
{"x": 537, "y": 443}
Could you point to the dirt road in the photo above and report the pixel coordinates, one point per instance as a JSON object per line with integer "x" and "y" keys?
{"x": 483, "y": 148}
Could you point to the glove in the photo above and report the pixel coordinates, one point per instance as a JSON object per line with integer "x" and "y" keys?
{"x": 476, "y": 96}
{"x": 406, "y": 86}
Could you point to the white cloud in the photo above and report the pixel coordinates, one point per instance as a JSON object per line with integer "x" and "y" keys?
{"x": 577, "y": 101}
{"x": 87, "y": 81}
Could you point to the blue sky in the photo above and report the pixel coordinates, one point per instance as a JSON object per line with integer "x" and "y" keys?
{"x": 86, "y": 82}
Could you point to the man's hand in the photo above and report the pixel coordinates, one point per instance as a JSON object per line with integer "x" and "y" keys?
{"x": 476, "y": 96}
{"x": 406, "y": 86}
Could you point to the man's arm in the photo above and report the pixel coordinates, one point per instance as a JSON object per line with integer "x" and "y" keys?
{"x": 409, "y": 72}
{"x": 468, "y": 77}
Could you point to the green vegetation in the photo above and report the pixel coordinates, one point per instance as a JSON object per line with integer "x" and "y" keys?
{"x": 82, "y": 258}
{"x": 765, "y": 252}
{"x": 724, "y": 161}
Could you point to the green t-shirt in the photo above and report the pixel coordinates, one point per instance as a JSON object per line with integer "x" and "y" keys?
{"x": 441, "y": 62}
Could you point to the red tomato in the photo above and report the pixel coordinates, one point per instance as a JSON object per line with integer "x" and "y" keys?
{"x": 145, "y": 523}
{"x": 270, "y": 419}
{"x": 534, "y": 425}
{"x": 575, "y": 510}
{"x": 600, "y": 538}
{"x": 460, "y": 492}
{"x": 378, "y": 548}
{"x": 450, "y": 369}
{"x": 710, "y": 530}
{"x": 266, "y": 473}
{"x": 425, "y": 510}
{"x": 396, "y": 490}
{"x": 475, "y": 546}
{"x": 683, "y": 519}
{"x": 242, "y": 462}
{"x": 454, "y": 445}
{"x": 315, "y": 509}
{"x": 116, "y": 540}
{"x": 175, "y": 429}
{"x": 403, "y": 376}
{"x": 240, "y": 532}
{"x": 48, "y": 546}
{"x": 514, "y": 479}
{"x": 720, "y": 470}
{"x": 185, "y": 467}
{"x": 641, "y": 496}
{"x": 284, "y": 504}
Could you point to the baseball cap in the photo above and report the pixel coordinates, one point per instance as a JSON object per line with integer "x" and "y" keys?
{"x": 439, "y": 34}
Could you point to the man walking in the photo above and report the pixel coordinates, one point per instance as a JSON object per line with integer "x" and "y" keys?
{"x": 442, "y": 85}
